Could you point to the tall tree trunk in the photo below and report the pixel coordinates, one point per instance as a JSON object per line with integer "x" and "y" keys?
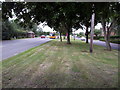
{"x": 106, "y": 35}
{"x": 60, "y": 37}
{"x": 107, "y": 39}
{"x": 92, "y": 32}
{"x": 68, "y": 36}
{"x": 86, "y": 34}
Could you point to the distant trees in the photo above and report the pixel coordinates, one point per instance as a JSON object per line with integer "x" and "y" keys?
{"x": 11, "y": 30}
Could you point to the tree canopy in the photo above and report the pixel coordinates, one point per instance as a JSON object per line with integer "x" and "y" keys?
{"x": 66, "y": 14}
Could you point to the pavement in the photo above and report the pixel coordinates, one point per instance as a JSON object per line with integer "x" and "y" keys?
{"x": 102, "y": 43}
{"x": 13, "y": 47}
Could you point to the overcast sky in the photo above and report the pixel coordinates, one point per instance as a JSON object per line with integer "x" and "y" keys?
{"x": 48, "y": 29}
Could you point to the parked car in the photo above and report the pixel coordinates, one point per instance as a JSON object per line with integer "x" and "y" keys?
{"x": 82, "y": 38}
{"x": 42, "y": 36}
{"x": 47, "y": 36}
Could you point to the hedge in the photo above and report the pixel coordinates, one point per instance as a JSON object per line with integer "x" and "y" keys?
{"x": 112, "y": 40}
{"x": 111, "y": 37}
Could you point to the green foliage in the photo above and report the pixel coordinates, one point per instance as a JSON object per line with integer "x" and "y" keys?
{"x": 10, "y": 30}
{"x": 80, "y": 34}
{"x": 7, "y": 30}
{"x": 97, "y": 32}
{"x": 115, "y": 40}
{"x": 44, "y": 33}
{"x": 115, "y": 37}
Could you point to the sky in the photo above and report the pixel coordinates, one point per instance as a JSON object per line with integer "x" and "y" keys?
{"x": 48, "y": 29}
{"x": 2, "y": 0}
{"x": 13, "y": 0}
{"x": 98, "y": 26}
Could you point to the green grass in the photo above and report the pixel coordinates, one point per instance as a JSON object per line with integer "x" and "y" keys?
{"x": 58, "y": 65}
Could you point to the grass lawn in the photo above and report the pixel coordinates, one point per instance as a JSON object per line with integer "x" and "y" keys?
{"x": 59, "y": 65}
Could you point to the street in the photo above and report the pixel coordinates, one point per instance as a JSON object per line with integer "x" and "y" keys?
{"x": 102, "y": 43}
{"x": 13, "y": 47}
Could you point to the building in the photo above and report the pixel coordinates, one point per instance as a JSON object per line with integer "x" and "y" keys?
{"x": 31, "y": 34}
{"x": 111, "y": 34}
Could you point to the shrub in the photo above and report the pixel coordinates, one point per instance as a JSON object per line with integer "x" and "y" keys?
{"x": 80, "y": 34}
{"x": 111, "y": 40}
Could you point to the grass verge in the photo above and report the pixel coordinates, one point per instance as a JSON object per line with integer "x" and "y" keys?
{"x": 59, "y": 65}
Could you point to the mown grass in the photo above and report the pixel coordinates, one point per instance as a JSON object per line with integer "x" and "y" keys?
{"x": 59, "y": 65}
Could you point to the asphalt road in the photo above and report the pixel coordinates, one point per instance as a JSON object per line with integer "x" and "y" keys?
{"x": 13, "y": 47}
{"x": 102, "y": 43}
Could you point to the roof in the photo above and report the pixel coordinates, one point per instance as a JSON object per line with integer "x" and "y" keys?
{"x": 30, "y": 32}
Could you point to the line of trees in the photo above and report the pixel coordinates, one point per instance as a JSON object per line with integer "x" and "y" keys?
{"x": 64, "y": 16}
{"x": 11, "y": 30}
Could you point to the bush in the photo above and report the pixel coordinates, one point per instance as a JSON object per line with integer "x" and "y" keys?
{"x": 114, "y": 37}
{"x": 11, "y": 30}
{"x": 111, "y": 37}
{"x": 98, "y": 37}
{"x": 115, "y": 41}
{"x": 111, "y": 40}
{"x": 80, "y": 34}
{"x": 102, "y": 39}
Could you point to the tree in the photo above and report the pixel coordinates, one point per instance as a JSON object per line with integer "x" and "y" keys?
{"x": 97, "y": 32}
{"x": 109, "y": 15}
{"x": 72, "y": 15}
{"x": 86, "y": 17}
{"x": 10, "y": 29}
{"x": 80, "y": 34}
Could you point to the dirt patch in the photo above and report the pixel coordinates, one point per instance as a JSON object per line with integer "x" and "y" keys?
{"x": 38, "y": 73}
{"x": 84, "y": 51}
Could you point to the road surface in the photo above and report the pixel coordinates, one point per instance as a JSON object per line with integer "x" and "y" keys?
{"x": 13, "y": 47}
{"x": 102, "y": 43}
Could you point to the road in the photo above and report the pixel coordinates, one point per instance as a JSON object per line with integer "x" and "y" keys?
{"x": 102, "y": 43}
{"x": 13, "y": 47}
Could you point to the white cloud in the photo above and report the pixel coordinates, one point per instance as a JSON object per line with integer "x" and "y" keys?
{"x": 98, "y": 26}
{"x": 2, "y": 0}
{"x": 78, "y": 31}
{"x": 46, "y": 28}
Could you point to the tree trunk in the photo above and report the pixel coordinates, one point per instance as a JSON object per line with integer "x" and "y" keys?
{"x": 107, "y": 39}
{"x": 86, "y": 34}
{"x": 106, "y": 35}
{"x": 68, "y": 37}
{"x": 74, "y": 36}
{"x": 60, "y": 37}
{"x": 92, "y": 32}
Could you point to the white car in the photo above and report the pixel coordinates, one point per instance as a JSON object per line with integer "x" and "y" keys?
{"x": 82, "y": 38}
{"x": 47, "y": 36}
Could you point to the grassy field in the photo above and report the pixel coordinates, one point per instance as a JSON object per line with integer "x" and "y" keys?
{"x": 59, "y": 65}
